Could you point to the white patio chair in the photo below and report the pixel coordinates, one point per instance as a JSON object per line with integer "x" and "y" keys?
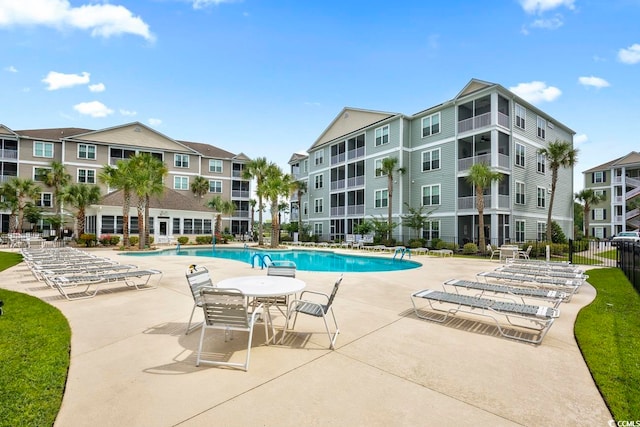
{"x": 315, "y": 309}
{"x": 227, "y": 310}
{"x": 197, "y": 277}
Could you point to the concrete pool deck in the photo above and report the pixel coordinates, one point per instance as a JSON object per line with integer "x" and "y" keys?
{"x": 132, "y": 365}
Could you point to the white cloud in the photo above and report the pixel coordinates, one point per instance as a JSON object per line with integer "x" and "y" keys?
{"x": 548, "y": 24}
{"x": 540, "y": 6}
{"x": 593, "y": 81}
{"x": 103, "y": 20}
{"x": 128, "y": 113}
{"x": 155, "y": 122}
{"x": 201, "y": 4}
{"x": 98, "y": 87}
{"x": 536, "y": 91}
{"x": 93, "y": 109}
{"x": 57, "y": 80}
{"x": 580, "y": 139}
{"x": 11, "y": 69}
{"x": 630, "y": 55}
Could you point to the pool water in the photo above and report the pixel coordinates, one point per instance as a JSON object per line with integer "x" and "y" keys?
{"x": 304, "y": 260}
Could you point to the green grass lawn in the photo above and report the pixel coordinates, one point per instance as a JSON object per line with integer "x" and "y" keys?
{"x": 34, "y": 357}
{"x": 608, "y": 333}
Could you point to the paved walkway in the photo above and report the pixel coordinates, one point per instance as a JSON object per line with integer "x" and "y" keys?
{"x": 132, "y": 365}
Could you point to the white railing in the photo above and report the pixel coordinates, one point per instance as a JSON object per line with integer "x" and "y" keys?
{"x": 503, "y": 120}
{"x": 337, "y": 185}
{"x": 241, "y": 214}
{"x": 617, "y": 200}
{"x": 355, "y": 210}
{"x": 632, "y": 213}
{"x": 355, "y": 153}
{"x": 8, "y": 154}
{"x": 240, "y": 193}
{"x": 338, "y": 158}
{"x": 469, "y": 202}
{"x": 356, "y": 181}
{"x": 337, "y": 211}
{"x": 632, "y": 193}
{"x": 504, "y": 161}
{"x": 617, "y": 180}
{"x": 5, "y": 178}
{"x": 632, "y": 181}
{"x": 617, "y": 219}
{"x": 466, "y": 163}
{"x": 504, "y": 200}
{"x": 475, "y": 122}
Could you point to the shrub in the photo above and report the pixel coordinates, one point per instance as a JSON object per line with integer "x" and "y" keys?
{"x": 105, "y": 240}
{"x": 114, "y": 240}
{"x": 87, "y": 239}
{"x": 183, "y": 240}
{"x": 204, "y": 240}
{"x": 446, "y": 245}
{"x": 133, "y": 240}
{"x": 434, "y": 243}
{"x": 417, "y": 243}
{"x": 470, "y": 249}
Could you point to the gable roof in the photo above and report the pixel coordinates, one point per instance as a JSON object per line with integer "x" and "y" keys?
{"x": 296, "y": 157}
{"x": 6, "y": 131}
{"x": 170, "y": 199}
{"x": 55, "y": 134}
{"x": 208, "y": 150}
{"x": 350, "y": 120}
{"x": 631, "y": 159}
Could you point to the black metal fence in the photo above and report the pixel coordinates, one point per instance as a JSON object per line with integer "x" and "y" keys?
{"x": 629, "y": 262}
{"x": 593, "y": 252}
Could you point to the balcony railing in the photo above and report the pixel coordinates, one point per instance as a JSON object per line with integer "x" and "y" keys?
{"x": 466, "y": 163}
{"x": 337, "y": 185}
{"x": 337, "y": 211}
{"x": 5, "y": 178}
{"x": 355, "y": 209}
{"x": 503, "y": 120}
{"x": 356, "y": 153}
{"x": 475, "y": 122}
{"x": 8, "y": 154}
{"x": 618, "y": 200}
{"x": 617, "y": 219}
{"x": 469, "y": 202}
{"x": 241, "y": 214}
{"x": 355, "y": 181}
{"x": 240, "y": 193}
{"x": 338, "y": 158}
{"x": 504, "y": 200}
{"x": 504, "y": 161}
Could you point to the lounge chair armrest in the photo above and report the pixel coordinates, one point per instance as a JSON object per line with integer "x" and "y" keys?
{"x": 314, "y": 293}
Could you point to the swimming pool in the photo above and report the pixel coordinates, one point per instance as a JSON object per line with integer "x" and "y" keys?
{"x": 305, "y": 260}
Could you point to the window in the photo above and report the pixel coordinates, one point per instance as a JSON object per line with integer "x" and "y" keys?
{"x": 319, "y": 157}
{"x": 317, "y": 229}
{"x": 599, "y": 214}
{"x": 520, "y": 153}
{"x": 520, "y": 225}
{"x": 520, "y": 192}
{"x": 542, "y": 197}
{"x": 431, "y": 195}
{"x": 215, "y": 186}
{"x": 45, "y": 201}
{"x": 215, "y": 166}
{"x": 599, "y": 177}
{"x": 87, "y": 176}
{"x": 86, "y": 151}
{"x": 600, "y": 193}
{"x": 378, "y": 166}
{"x": 305, "y": 166}
{"x": 542, "y": 128}
{"x": 319, "y": 181}
{"x": 431, "y": 230}
{"x": 181, "y": 160}
{"x": 197, "y": 226}
{"x": 187, "y": 226}
{"x": 431, "y": 160}
{"x": 542, "y": 163}
{"x": 207, "y": 226}
{"x": 598, "y": 232}
{"x": 180, "y": 183}
{"x": 431, "y": 125}
{"x": 542, "y": 231}
{"x": 176, "y": 225}
{"x": 521, "y": 113}
{"x": 43, "y": 149}
{"x": 39, "y": 174}
{"x": 305, "y": 208}
{"x": 382, "y": 135}
{"x": 317, "y": 206}
{"x": 382, "y": 198}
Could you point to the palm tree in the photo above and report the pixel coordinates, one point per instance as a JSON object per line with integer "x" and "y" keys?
{"x": 57, "y": 177}
{"x": 200, "y": 186}
{"x": 481, "y": 176}
{"x": 388, "y": 167}
{"x": 120, "y": 177}
{"x": 80, "y": 196}
{"x": 589, "y": 198}
{"x": 149, "y": 175}
{"x": 221, "y": 206}
{"x": 18, "y": 192}
{"x": 300, "y": 187}
{"x": 257, "y": 169}
{"x": 276, "y": 184}
{"x": 252, "y": 203}
{"x": 559, "y": 154}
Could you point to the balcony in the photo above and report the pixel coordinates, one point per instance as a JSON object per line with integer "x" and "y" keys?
{"x": 338, "y": 158}
{"x": 241, "y": 194}
{"x": 6, "y": 154}
{"x": 241, "y": 214}
{"x": 469, "y": 202}
{"x": 467, "y": 162}
{"x": 5, "y": 178}
{"x": 473, "y": 123}
{"x": 356, "y": 181}
{"x": 355, "y": 153}
{"x": 503, "y": 120}
{"x": 355, "y": 210}
{"x": 337, "y": 211}
{"x": 337, "y": 185}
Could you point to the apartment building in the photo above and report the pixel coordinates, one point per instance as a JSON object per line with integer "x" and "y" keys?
{"x": 85, "y": 152}
{"x": 436, "y": 147}
{"x": 618, "y": 182}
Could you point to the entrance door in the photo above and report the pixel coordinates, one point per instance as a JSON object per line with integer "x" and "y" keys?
{"x": 163, "y": 227}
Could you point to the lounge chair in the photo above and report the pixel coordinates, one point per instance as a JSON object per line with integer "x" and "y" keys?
{"x": 543, "y": 273}
{"x": 568, "y": 286}
{"x": 227, "y": 310}
{"x": 130, "y": 278}
{"x": 197, "y": 278}
{"x": 315, "y": 309}
{"x": 530, "y": 317}
{"x": 482, "y": 288}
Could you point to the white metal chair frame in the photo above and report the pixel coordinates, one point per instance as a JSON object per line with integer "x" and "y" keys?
{"x": 227, "y": 309}
{"x": 315, "y": 309}
{"x": 197, "y": 277}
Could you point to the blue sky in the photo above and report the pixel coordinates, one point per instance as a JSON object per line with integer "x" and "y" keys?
{"x": 267, "y": 77}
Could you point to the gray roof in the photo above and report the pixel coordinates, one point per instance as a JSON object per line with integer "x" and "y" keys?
{"x": 208, "y": 150}
{"x": 51, "y": 134}
{"x": 631, "y": 159}
{"x": 170, "y": 199}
